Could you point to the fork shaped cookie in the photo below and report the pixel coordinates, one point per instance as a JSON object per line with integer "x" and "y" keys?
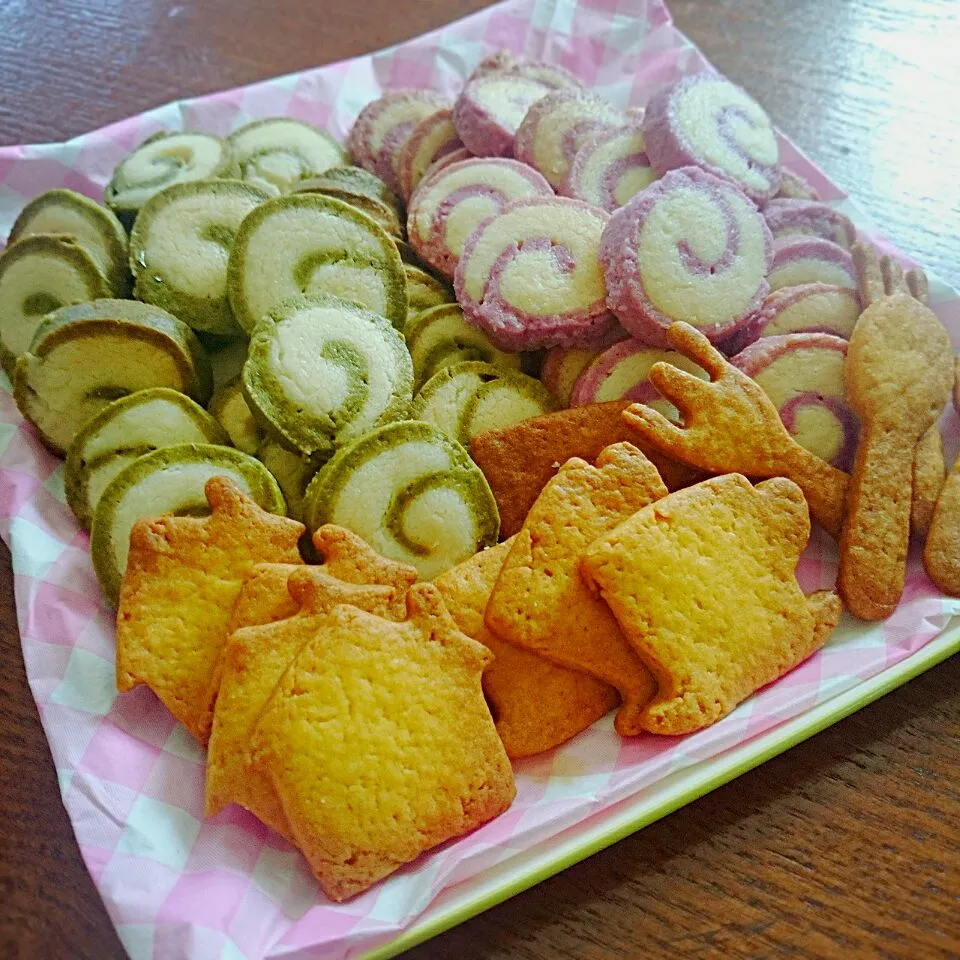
{"x": 731, "y": 426}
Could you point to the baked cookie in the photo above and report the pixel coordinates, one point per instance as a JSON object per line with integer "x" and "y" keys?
{"x": 536, "y": 705}
{"x": 379, "y": 742}
{"x": 183, "y": 576}
{"x": 732, "y": 426}
{"x": 899, "y": 377}
{"x": 703, "y": 584}
{"x": 541, "y": 603}
{"x": 519, "y": 460}
{"x": 253, "y": 661}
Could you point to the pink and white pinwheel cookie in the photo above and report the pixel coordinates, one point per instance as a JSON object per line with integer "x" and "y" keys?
{"x": 381, "y": 130}
{"x": 798, "y": 260}
{"x": 562, "y": 366}
{"x": 530, "y": 276}
{"x": 622, "y": 372}
{"x": 803, "y": 374}
{"x": 809, "y": 308}
{"x": 450, "y": 203}
{"x": 432, "y": 138}
{"x": 446, "y": 160}
{"x": 708, "y": 122}
{"x": 609, "y": 169}
{"x": 557, "y": 125}
{"x": 495, "y": 100}
{"x": 787, "y": 218}
{"x": 690, "y": 247}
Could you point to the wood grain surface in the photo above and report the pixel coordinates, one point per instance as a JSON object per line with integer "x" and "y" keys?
{"x": 847, "y": 845}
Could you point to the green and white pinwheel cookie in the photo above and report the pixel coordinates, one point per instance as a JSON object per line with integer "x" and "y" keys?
{"x": 161, "y": 161}
{"x": 66, "y": 213}
{"x": 180, "y": 245}
{"x": 126, "y": 429}
{"x": 276, "y": 153}
{"x": 90, "y": 354}
{"x": 323, "y": 371}
{"x": 307, "y": 243}
{"x": 467, "y": 398}
{"x": 40, "y": 274}
{"x": 169, "y": 480}
{"x": 411, "y": 492}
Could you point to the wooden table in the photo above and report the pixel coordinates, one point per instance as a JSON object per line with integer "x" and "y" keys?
{"x": 848, "y": 844}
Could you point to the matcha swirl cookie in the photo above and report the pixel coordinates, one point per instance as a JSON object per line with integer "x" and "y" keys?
{"x": 308, "y": 244}
{"x": 440, "y": 337}
{"x": 161, "y": 161}
{"x": 323, "y": 371}
{"x": 423, "y": 292}
{"x": 170, "y": 480}
{"x": 124, "y": 430}
{"x": 276, "y": 153}
{"x": 68, "y": 214}
{"x": 179, "y": 247}
{"x": 467, "y": 398}
{"x": 87, "y": 355}
{"x": 40, "y": 274}
{"x": 412, "y": 493}
{"x": 229, "y": 407}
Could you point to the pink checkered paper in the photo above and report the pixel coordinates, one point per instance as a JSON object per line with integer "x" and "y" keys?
{"x": 177, "y": 885}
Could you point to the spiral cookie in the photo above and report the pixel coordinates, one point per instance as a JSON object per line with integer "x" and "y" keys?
{"x": 690, "y": 247}
{"x": 465, "y": 399}
{"x": 807, "y": 217}
{"x": 530, "y": 276}
{"x": 803, "y": 374}
{"x": 557, "y": 125}
{"x": 809, "y": 308}
{"x": 707, "y": 122}
{"x": 161, "y": 161}
{"x": 383, "y": 126}
{"x": 322, "y": 371}
{"x": 423, "y": 292}
{"x": 449, "y": 205}
{"x": 622, "y": 372}
{"x": 609, "y": 169}
{"x": 440, "y": 337}
{"x": 432, "y": 138}
{"x": 798, "y": 260}
{"x": 494, "y": 102}
{"x": 309, "y": 243}
{"x": 179, "y": 247}
{"x": 412, "y": 493}
{"x": 277, "y": 152}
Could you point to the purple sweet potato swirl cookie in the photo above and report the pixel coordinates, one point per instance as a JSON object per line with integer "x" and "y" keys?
{"x": 622, "y": 372}
{"x": 808, "y": 308}
{"x": 689, "y": 247}
{"x": 555, "y": 128}
{"x": 808, "y": 218}
{"x": 497, "y": 97}
{"x": 708, "y": 122}
{"x": 450, "y": 203}
{"x": 803, "y": 374}
{"x": 431, "y": 139}
{"x": 609, "y": 169}
{"x": 382, "y": 128}
{"x": 530, "y": 275}
{"x": 798, "y": 260}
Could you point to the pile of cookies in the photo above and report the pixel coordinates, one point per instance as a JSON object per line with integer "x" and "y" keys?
{"x": 524, "y": 347}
